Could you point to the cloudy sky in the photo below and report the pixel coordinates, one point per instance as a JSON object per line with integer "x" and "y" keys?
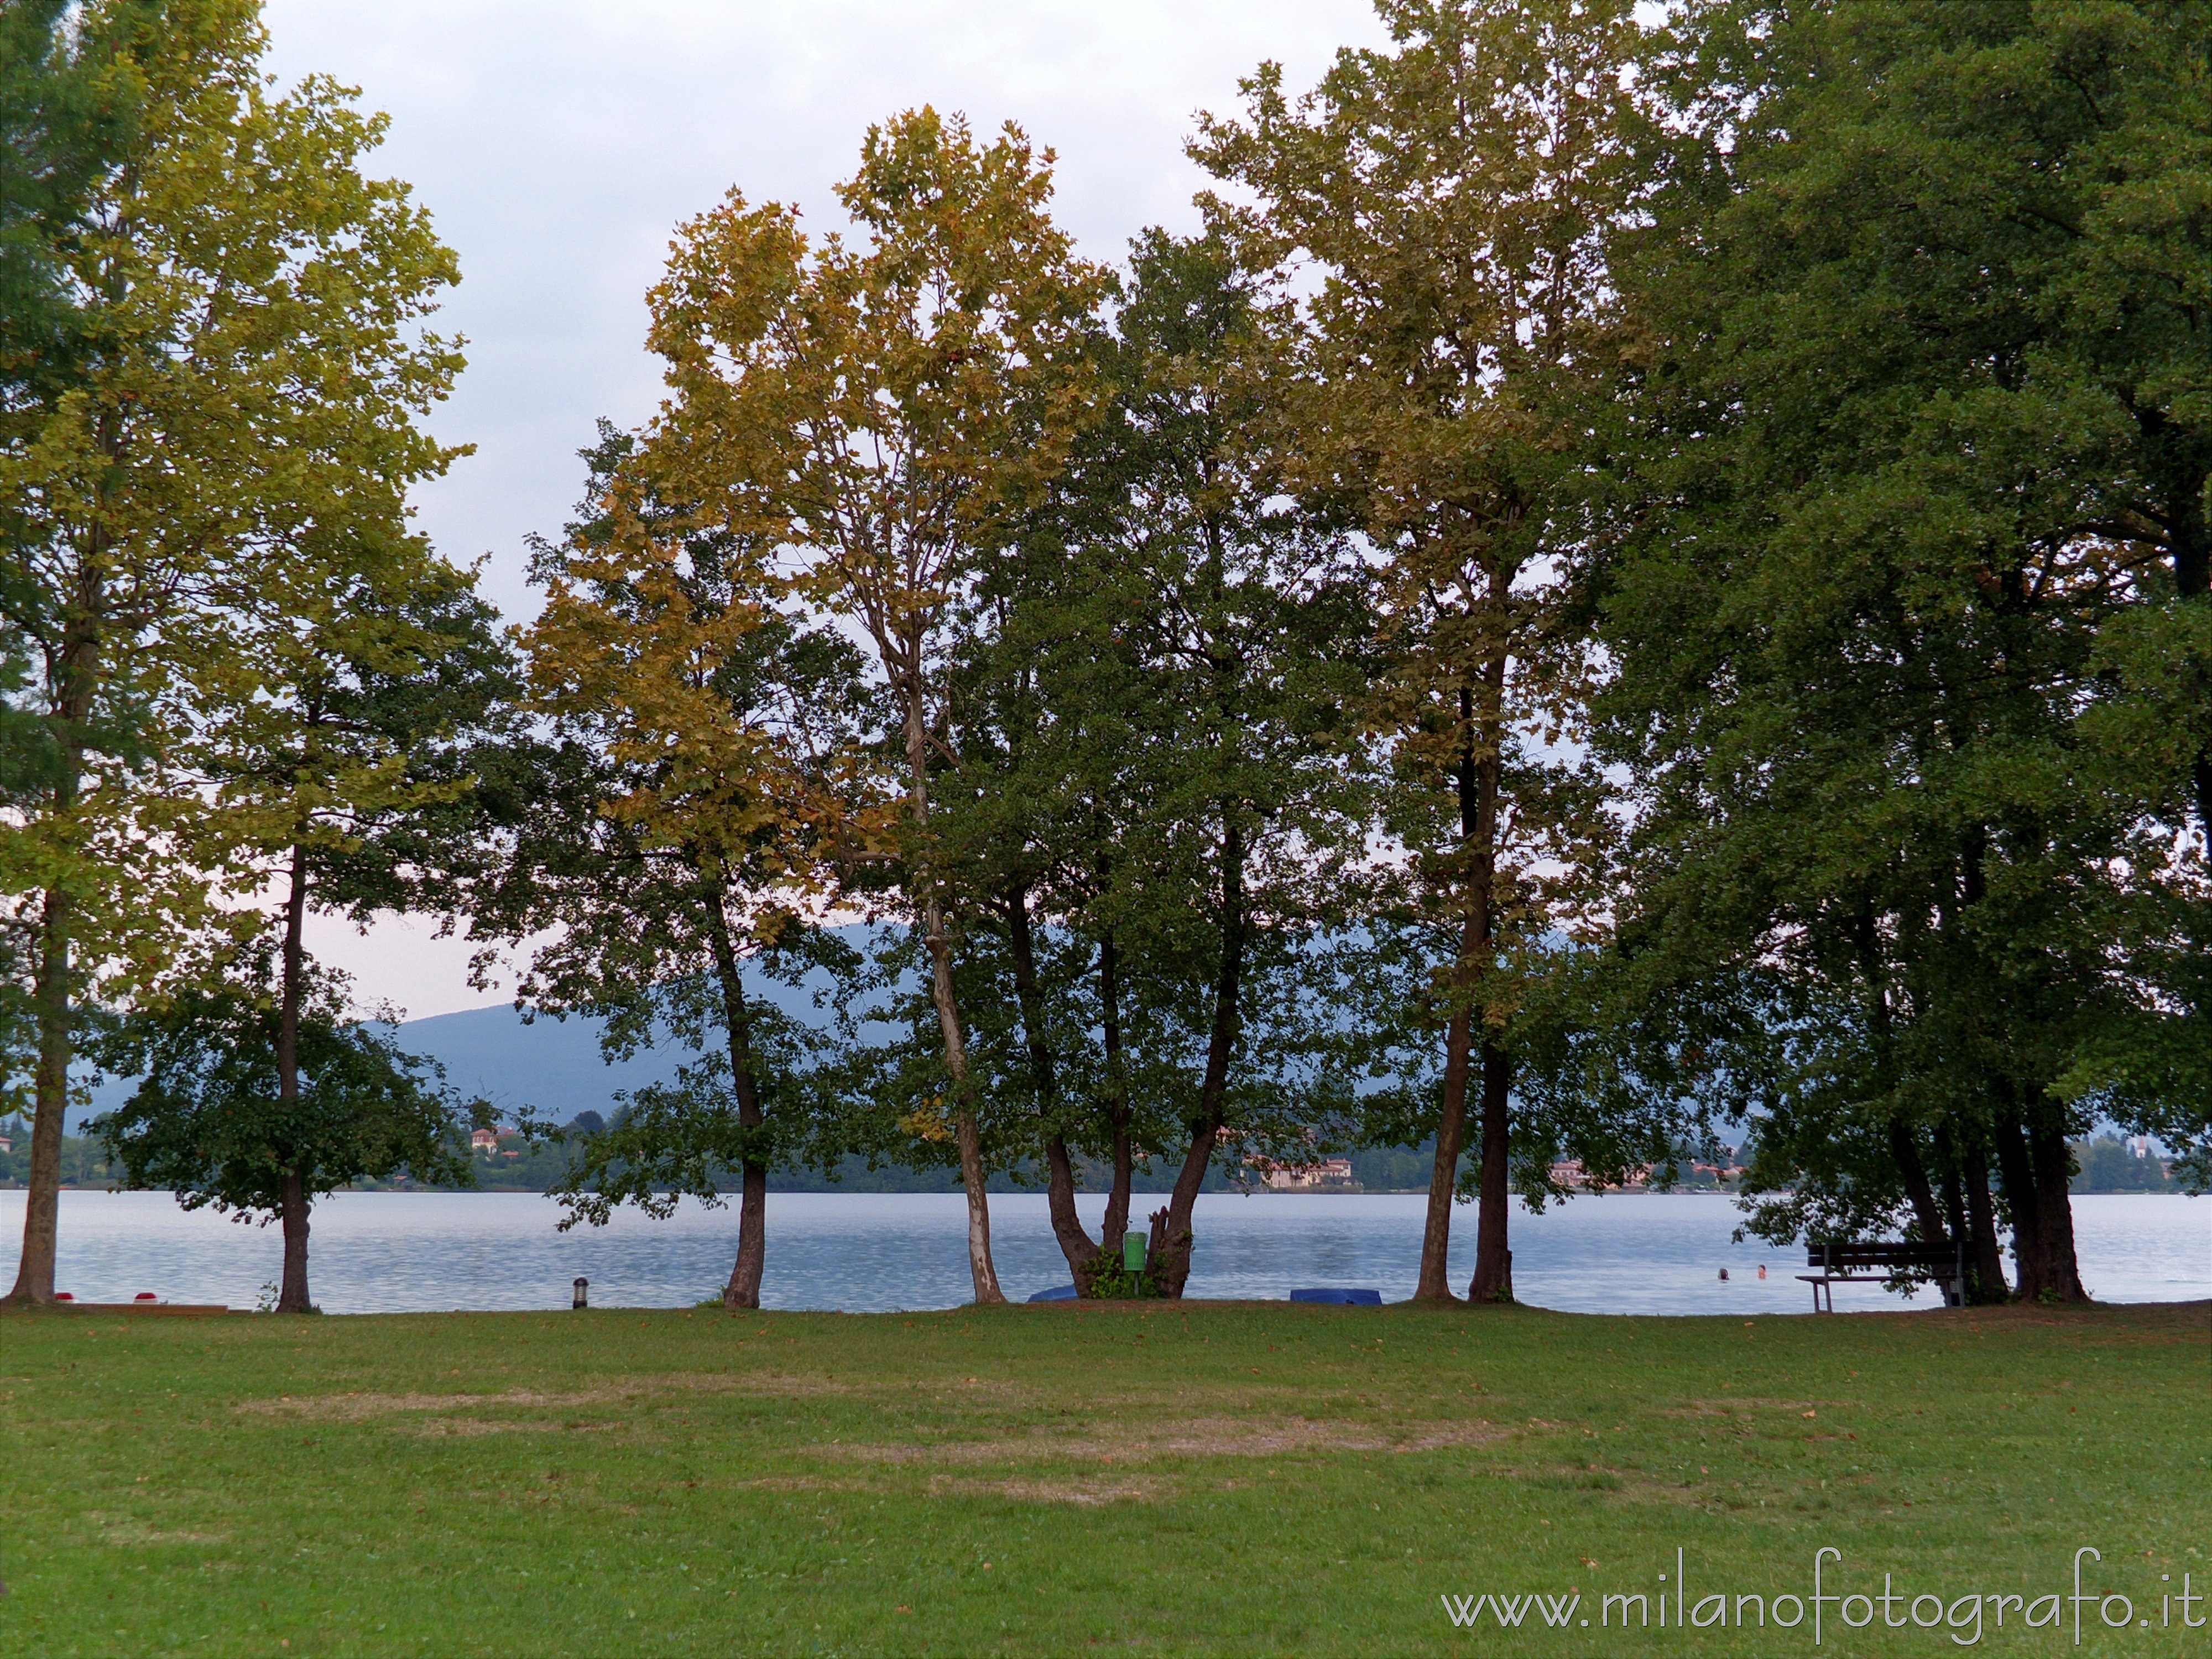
{"x": 559, "y": 141}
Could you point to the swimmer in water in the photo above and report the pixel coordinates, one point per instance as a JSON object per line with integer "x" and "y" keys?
{"x": 1762, "y": 1270}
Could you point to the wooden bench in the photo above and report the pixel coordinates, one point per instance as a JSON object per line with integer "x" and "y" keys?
{"x": 1878, "y": 1262}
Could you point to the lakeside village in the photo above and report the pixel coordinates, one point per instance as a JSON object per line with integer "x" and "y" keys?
{"x": 507, "y": 1161}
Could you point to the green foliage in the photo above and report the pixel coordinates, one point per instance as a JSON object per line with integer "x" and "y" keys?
{"x": 69, "y": 109}
{"x": 687, "y": 1136}
{"x": 1154, "y": 795}
{"x": 376, "y": 706}
{"x": 1430, "y": 233}
{"x": 214, "y": 361}
{"x": 207, "y": 1122}
{"x": 1897, "y": 484}
{"x": 667, "y": 824}
{"x": 1110, "y": 1279}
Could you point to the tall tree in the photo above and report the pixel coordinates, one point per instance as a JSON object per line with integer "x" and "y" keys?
{"x": 1436, "y": 216}
{"x": 699, "y": 782}
{"x": 340, "y": 765}
{"x": 1242, "y": 614}
{"x": 1920, "y": 433}
{"x": 247, "y": 371}
{"x": 64, "y": 113}
{"x": 1159, "y": 793}
{"x": 884, "y": 412}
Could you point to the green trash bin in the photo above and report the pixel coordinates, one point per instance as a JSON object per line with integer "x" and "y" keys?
{"x": 1133, "y": 1252}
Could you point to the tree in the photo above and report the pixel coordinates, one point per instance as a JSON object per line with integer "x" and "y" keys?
{"x": 64, "y": 113}
{"x": 1156, "y": 794}
{"x": 1237, "y": 617}
{"x": 243, "y": 373}
{"x": 1915, "y": 450}
{"x": 885, "y": 412}
{"x": 340, "y": 764}
{"x": 1450, "y": 201}
{"x": 212, "y": 1122}
{"x": 682, "y": 819}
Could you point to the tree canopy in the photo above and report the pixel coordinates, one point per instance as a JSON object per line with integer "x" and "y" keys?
{"x": 1643, "y": 581}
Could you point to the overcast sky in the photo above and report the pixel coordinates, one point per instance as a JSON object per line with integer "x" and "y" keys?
{"x": 558, "y": 142}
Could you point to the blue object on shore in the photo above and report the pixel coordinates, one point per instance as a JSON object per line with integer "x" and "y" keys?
{"x": 1057, "y": 1294}
{"x": 1342, "y": 1298}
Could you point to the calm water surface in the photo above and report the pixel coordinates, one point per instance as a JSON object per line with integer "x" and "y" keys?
{"x": 405, "y": 1252}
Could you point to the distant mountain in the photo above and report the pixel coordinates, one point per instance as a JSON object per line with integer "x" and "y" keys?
{"x": 551, "y": 1067}
{"x": 554, "y": 1066}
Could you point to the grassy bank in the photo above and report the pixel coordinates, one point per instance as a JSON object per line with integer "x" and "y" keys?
{"x": 1236, "y": 1479}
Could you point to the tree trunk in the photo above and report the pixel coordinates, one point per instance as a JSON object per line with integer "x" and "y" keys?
{"x": 1435, "y": 1282}
{"x": 984, "y": 1275}
{"x": 1493, "y": 1262}
{"x": 1075, "y": 1244}
{"x": 1117, "y": 1224}
{"x": 292, "y": 1294}
{"x": 2016, "y": 1171}
{"x": 1955, "y": 1217}
{"x": 2058, "y": 1275}
{"x": 1954, "y": 1196}
{"x": 1171, "y": 1269}
{"x": 53, "y": 991}
{"x": 1986, "y": 1258}
{"x": 1968, "y": 1213}
{"x": 743, "y": 1289}
{"x": 1493, "y": 1258}
{"x": 1927, "y": 1213}
{"x": 34, "y": 1273}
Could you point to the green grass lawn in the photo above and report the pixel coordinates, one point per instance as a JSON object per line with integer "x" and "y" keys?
{"x": 1240, "y": 1479}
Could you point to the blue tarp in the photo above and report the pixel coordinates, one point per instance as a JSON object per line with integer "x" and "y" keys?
{"x": 1057, "y": 1294}
{"x": 1351, "y": 1298}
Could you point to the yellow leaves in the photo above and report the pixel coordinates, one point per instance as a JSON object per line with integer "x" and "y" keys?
{"x": 878, "y": 408}
{"x": 928, "y": 1122}
{"x": 660, "y": 638}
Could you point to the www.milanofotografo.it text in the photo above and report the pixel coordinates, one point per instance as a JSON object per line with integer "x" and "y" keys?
{"x": 2091, "y": 1604}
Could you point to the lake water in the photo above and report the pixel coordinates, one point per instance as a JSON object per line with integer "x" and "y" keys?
{"x": 405, "y": 1252}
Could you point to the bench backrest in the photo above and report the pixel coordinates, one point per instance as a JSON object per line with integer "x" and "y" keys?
{"x": 1882, "y": 1254}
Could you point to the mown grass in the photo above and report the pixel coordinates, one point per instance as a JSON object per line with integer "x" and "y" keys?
{"x": 1242, "y": 1479}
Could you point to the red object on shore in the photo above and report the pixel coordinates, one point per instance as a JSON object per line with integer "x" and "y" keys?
{"x": 64, "y": 1296}
{"x": 145, "y": 1296}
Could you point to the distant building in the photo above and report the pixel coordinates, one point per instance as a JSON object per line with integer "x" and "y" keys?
{"x": 483, "y": 1140}
{"x": 1303, "y": 1177}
